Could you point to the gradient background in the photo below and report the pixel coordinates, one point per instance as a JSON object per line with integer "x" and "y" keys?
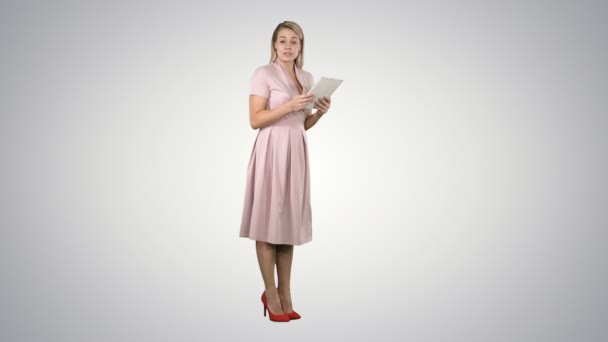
{"x": 459, "y": 182}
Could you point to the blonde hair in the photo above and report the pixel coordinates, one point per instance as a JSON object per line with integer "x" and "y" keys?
{"x": 295, "y": 28}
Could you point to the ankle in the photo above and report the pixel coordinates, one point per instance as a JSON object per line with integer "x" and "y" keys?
{"x": 286, "y": 290}
{"x": 271, "y": 290}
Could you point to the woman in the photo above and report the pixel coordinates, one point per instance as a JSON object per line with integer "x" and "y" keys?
{"x": 276, "y": 211}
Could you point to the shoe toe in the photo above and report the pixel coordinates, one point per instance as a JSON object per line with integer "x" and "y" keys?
{"x": 294, "y": 315}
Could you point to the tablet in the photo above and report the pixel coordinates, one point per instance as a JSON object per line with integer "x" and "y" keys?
{"x": 325, "y": 87}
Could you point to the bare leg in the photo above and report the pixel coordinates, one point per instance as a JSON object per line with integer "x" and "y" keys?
{"x": 284, "y": 261}
{"x": 267, "y": 255}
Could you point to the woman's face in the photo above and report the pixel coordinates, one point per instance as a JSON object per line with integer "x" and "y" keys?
{"x": 287, "y": 45}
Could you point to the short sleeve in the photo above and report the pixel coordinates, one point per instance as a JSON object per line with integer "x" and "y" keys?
{"x": 258, "y": 84}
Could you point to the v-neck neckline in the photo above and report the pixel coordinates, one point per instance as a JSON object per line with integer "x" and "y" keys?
{"x": 291, "y": 81}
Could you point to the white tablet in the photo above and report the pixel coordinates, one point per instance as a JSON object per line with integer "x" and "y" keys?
{"x": 325, "y": 87}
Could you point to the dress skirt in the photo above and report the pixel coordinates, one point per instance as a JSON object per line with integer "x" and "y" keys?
{"x": 277, "y": 206}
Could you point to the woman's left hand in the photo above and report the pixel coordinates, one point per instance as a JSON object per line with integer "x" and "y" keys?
{"x": 322, "y": 104}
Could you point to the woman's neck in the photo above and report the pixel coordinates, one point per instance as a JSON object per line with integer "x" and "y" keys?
{"x": 289, "y": 66}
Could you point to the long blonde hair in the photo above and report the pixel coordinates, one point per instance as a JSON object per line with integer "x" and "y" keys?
{"x": 295, "y": 28}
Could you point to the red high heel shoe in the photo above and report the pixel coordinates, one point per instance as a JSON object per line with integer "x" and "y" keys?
{"x": 275, "y": 318}
{"x": 293, "y": 315}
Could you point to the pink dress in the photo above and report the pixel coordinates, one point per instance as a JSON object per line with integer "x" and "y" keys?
{"x": 277, "y": 196}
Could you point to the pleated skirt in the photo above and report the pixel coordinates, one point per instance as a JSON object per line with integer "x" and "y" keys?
{"x": 277, "y": 206}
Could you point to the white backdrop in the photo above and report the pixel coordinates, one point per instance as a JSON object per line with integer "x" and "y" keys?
{"x": 458, "y": 182}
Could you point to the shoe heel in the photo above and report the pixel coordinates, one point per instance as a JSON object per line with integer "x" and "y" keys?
{"x": 275, "y": 318}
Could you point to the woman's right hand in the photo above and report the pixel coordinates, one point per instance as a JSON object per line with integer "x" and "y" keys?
{"x": 298, "y": 102}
